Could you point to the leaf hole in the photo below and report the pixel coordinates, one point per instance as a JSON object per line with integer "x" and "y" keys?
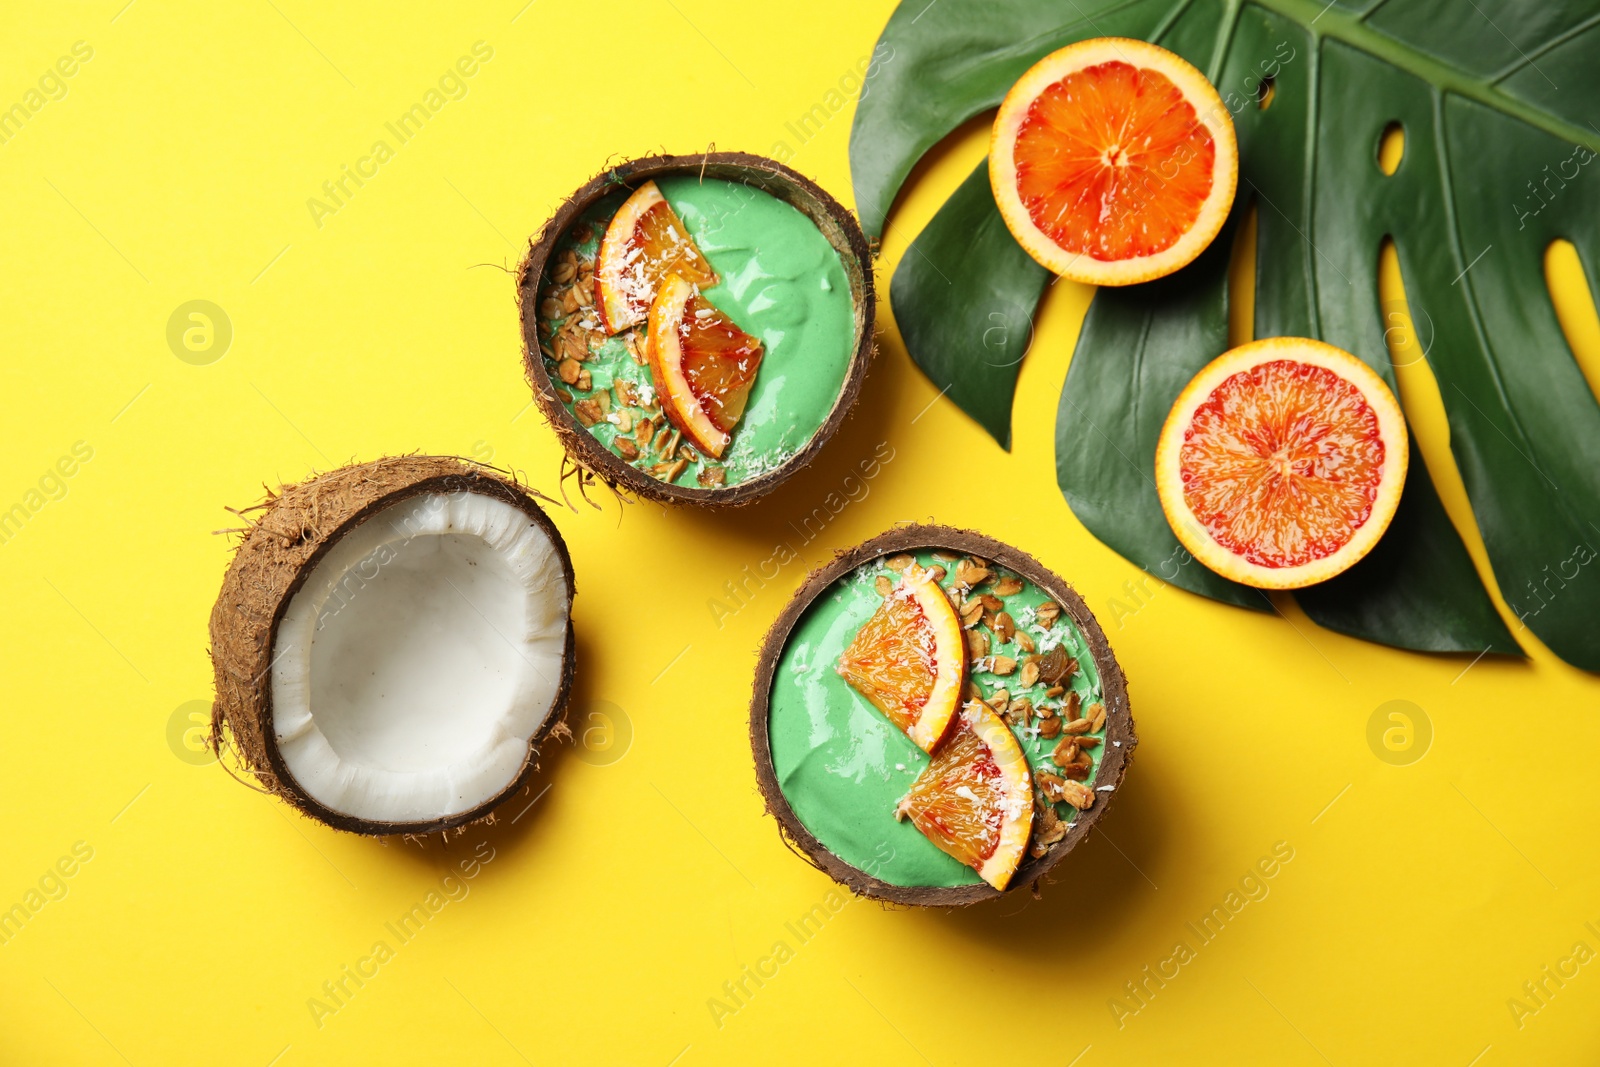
{"x": 1409, "y": 333}
{"x": 1575, "y": 309}
{"x": 1407, "y": 339}
{"x": 1268, "y": 89}
{"x": 1391, "y": 147}
{"x": 1242, "y": 281}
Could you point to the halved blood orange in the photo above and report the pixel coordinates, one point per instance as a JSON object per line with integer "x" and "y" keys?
{"x": 975, "y": 800}
{"x": 1281, "y": 463}
{"x": 1113, "y": 161}
{"x": 703, "y": 364}
{"x": 910, "y": 659}
{"x": 644, "y": 242}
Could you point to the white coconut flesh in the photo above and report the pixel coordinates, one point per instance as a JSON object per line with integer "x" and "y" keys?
{"x": 418, "y": 659}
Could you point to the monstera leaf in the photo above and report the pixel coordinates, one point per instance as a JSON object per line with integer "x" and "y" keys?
{"x": 1499, "y": 104}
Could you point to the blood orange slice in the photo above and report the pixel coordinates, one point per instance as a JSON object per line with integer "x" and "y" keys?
{"x": 1113, "y": 161}
{"x": 703, "y": 365}
{"x": 910, "y": 659}
{"x": 644, "y": 242}
{"x": 975, "y": 800}
{"x": 1282, "y": 462}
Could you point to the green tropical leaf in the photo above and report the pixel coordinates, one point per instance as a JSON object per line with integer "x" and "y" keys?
{"x": 972, "y": 334}
{"x": 934, "y": 69}
{"x": 1106, "y": 434}
{"x": 1500, "y": 105}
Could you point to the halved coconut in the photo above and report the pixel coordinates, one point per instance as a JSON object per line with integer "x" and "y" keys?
{"x": 836, "y": 224}
{"x": 392, "y": 642}
{"x": 867, "y": 836}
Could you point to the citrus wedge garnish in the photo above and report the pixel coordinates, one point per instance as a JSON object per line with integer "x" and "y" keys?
{"x": 1282, "y": 462}
{"x": 703, "y": 365}
{"x": 644, "y": 242}
{"x": 909, "y": 659}
{"x": 975, "y": 800}
{"x": 1113, "y": 161}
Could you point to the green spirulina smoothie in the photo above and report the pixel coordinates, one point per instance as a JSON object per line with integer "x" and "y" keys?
{"x": 781, "y": 282}
{"x": 843, "y": 767}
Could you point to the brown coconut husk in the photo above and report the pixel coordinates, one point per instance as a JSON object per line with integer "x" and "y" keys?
{"x": 1119, "y": 717}
{"x": 295, "y": 527}
{"x": 837, "y": 224}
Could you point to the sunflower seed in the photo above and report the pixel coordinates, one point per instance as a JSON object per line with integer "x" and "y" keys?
{"x": 1052, "y": 785}
{"x": 1030, "y": 673}
{"x": 635, "y": 347}
{"x": 969, "y": 574}
{"x": 1078, "y": 796}
{"x": 1004, "y": 627}
{"x": 1048, "y": 829}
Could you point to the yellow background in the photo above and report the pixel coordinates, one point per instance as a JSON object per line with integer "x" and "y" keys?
{"x": 178, "y": 166}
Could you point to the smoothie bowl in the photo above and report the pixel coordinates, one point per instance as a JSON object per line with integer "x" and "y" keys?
{"x": 937, "y": 719}
{"x": 696, "y": 327}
